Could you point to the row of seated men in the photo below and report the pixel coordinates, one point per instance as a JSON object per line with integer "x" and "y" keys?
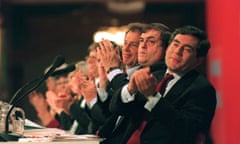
{"x": 146, "y": 91}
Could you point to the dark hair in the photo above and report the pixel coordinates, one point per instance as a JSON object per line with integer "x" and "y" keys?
{"x": 165, "y": 32}
{"x": 203, "y": 45}
{"x": 135, "y": 27}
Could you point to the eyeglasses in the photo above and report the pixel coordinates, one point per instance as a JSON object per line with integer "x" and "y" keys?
{"x": 149, "y": 41}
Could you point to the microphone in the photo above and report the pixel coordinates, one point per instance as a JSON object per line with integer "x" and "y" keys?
{"x": 6, "y": 136}
{"x": 64, "y": 69}
{"x": 58, "y": 61}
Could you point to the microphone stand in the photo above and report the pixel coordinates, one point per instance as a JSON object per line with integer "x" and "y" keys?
{"x": 21, "y": 89}
{"x": 6, "y": 135}
{"x": 59, "y": 60}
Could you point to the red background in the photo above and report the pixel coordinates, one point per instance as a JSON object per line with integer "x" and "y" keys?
{"x": 223, "y": 26}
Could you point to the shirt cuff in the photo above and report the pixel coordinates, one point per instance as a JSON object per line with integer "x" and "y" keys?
{"x": 102, "y": 93}
{"x": 113, "y": 73}
{"x": 152, "y": 101}
{"x": 92, "y": 103}
{"x": 126, "y": 96}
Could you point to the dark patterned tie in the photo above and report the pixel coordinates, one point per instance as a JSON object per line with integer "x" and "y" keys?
{"x": 135, "y": 137}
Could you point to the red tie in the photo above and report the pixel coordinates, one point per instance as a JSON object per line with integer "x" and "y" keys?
{"x": 135, "y": 137}
{"x": 161, "y": 87}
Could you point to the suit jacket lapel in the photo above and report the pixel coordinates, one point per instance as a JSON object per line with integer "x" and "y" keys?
{"x": 177, "y": 90}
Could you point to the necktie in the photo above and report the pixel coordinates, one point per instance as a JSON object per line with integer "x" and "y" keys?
{"x": 161, "y": 87}
{"x": 135, "y": 137}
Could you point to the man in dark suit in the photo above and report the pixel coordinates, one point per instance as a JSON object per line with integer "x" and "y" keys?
{"x": 99, "y": 110}
{"x": 151, "y": 50}
{"x": 186, "y": 109}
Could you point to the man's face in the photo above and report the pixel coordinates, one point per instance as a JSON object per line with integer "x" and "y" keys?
{"x": 181, "y": 54}
{"x": 63, "y": 91}
{"x": 130, "y": 49}
{"x": 150, "y": 48}
{"x": 62, "y": 84}
{"x": 93, "y": 63}
{"x": 76, "y": 79}
{"x": 51, "y": 84}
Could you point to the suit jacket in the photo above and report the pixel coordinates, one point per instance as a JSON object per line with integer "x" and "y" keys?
{"x": 99, "y": 113}
{"x": 185, "y": 111}
{"x": 119, "y": 81}
{"x": 79, "y": 114}
{"x": 110, "y": 131}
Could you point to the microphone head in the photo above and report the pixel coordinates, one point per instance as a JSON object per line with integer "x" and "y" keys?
{"x": 58, "y": 61}
{"x": 63, "y": 70}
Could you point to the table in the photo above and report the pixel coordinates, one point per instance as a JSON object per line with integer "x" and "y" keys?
{"x": 72, "y": 142}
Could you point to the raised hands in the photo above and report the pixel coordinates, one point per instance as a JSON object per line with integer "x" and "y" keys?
{"x": 143, "y": 81}
{"x": 108, "y": 54}
{"x": 41, "y": 106}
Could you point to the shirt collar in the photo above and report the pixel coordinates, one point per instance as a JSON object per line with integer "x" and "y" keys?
{"x": 131, "y": 70}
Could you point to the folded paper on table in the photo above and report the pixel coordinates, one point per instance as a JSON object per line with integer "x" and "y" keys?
{"x": 38, "y": 133}
{"x": 28, "y": 124}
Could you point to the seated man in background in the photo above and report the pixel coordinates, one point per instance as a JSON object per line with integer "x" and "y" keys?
{"x": 78, "y": 110}
{"x": 126, "y": 61}
{"x": 46, "y": 106}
